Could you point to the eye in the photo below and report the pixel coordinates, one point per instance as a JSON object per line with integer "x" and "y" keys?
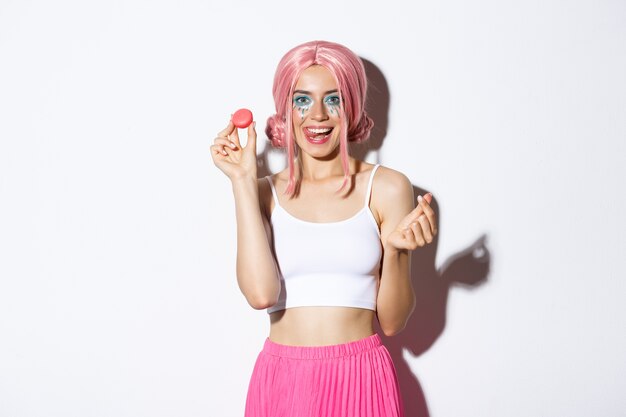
{"x": 301, "y": 101}
{"x": 333, "y": 100}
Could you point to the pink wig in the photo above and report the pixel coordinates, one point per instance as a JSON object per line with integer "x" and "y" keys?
{"x": 349, "y": 73}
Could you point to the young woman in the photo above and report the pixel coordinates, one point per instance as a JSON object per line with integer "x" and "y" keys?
{"x": 323, "y": 245}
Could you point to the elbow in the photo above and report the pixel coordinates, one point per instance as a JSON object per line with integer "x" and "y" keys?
{"x": 260, "y": 293}
{"x": 262, "y": 300}
{"x": 259, "y": 303}
{"x": 392, "y": 331}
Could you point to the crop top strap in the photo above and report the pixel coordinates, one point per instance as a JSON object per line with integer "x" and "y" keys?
{"x": 369, "y": 186}
{"x": 273, "y": 190}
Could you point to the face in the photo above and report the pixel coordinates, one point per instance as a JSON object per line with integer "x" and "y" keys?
{"x": 315, "y": 112}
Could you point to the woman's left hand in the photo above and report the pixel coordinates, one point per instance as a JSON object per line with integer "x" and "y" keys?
{"x": 417, "y": 229}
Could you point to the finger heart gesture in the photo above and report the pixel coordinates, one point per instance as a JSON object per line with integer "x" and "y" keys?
{"x": 417, "y": 229}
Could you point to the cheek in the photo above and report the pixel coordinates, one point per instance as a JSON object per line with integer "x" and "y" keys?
{"x": 333, "y": 110}
{"x": 298, "y": 113}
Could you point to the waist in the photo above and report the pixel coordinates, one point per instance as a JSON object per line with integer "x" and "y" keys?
{"x": 315, "y": 326}
{"x": 322, "y": 351}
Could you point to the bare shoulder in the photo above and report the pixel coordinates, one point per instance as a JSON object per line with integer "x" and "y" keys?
{"x": 393, "y": 194}
{"x": 392, "y": 183}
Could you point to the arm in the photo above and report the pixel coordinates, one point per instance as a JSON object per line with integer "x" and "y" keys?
{"x": 257, "y": 274}
{"x": 396, "y": 297}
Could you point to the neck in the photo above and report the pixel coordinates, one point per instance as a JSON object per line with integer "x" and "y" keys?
{"x": 314, "y": 169}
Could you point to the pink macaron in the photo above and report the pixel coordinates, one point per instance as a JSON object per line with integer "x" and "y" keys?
{"x": 242, "y": 118}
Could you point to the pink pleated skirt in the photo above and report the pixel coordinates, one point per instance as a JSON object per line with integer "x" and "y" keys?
{"x": 354, "y": 379}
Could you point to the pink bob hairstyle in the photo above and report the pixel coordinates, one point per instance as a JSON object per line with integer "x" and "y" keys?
{"x": 349, "y": 73}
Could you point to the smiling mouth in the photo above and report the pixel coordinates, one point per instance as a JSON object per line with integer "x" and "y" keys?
{"x": 317, "y": 135}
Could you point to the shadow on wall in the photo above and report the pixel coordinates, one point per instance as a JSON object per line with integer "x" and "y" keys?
{"x": 468, "y": 267}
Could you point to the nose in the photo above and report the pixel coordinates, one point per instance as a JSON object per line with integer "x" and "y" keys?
{"x": 318, "y": 111}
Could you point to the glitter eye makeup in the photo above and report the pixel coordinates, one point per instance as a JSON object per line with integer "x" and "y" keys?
{"x": 333, "y": 103}
{"x": 333, "y": 100}
{"x": 303, "y": 103}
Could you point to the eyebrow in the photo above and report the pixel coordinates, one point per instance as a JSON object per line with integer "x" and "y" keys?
{"x": 308, "y": 92}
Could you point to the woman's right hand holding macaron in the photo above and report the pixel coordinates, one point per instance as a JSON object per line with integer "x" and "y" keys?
{"x": 229, "y": 156}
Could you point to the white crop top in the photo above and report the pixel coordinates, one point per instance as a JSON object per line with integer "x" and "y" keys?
{"x": 327, "y": 264}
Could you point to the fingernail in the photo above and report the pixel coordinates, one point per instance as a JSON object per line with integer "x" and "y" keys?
{"x": 253, "y": 125}
{"x": 420, "y": 198}
{"x": 431, "y": 194}
{"x": 232, "y": 145}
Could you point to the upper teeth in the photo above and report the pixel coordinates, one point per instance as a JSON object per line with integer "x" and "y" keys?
{"x": 319, "y": 130}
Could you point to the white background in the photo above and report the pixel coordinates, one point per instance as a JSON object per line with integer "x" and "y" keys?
{"x": 118, "y": 294}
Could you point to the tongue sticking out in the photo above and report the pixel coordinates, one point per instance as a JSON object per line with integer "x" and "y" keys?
{"x": 319, "y": 136}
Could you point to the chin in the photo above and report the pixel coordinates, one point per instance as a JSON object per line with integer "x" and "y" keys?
{"x": 328, "y": 148}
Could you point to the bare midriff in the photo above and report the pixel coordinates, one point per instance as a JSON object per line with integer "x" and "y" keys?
{"x": 318, "y": 326}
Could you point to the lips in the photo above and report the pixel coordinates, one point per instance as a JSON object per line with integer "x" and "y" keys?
{"x": 317, "y": 134}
